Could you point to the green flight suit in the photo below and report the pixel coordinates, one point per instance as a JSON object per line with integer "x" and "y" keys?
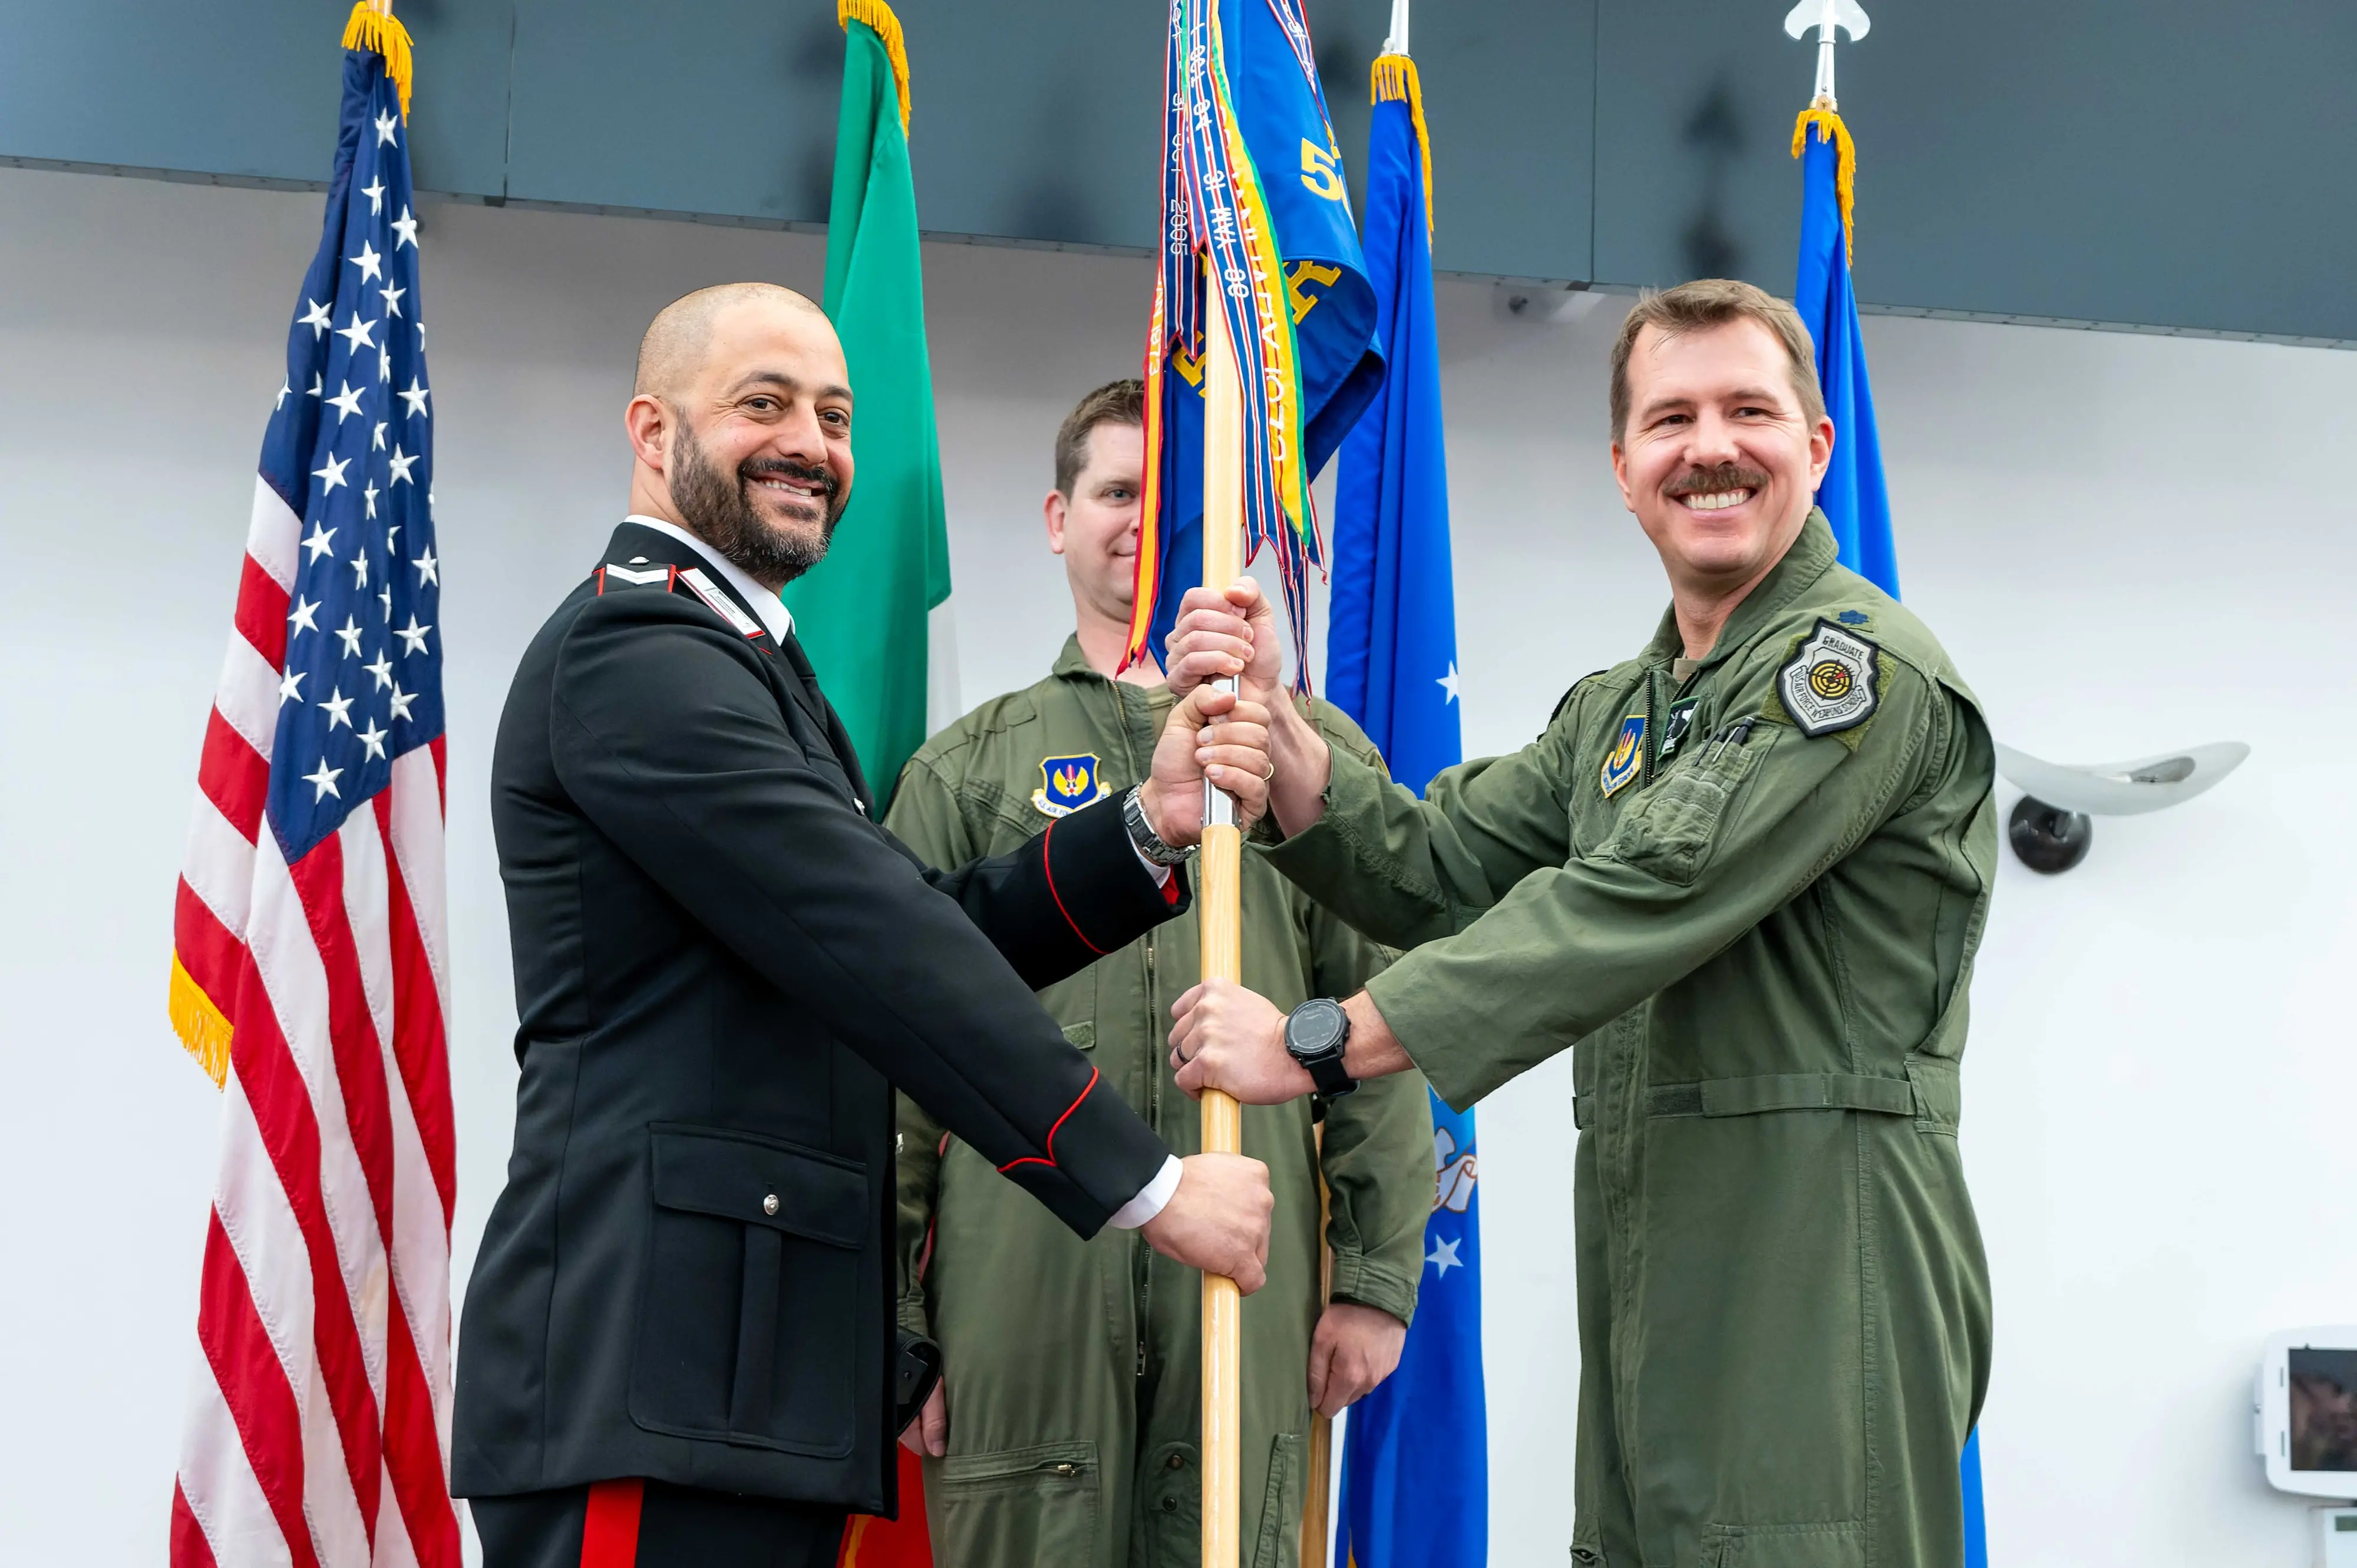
{"x": 1073, "y": 1369}
{"x": 1756, "y": 948}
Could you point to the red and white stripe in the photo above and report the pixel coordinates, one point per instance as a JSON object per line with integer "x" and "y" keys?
{"x": 318, "y": 1431}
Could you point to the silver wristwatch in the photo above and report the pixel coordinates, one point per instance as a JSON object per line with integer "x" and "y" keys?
{"x": 1141, "y": 832}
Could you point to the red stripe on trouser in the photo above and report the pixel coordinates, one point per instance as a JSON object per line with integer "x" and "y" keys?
{"x": 419, "y": 1049}
{"x": 282, "y": 1112}
{"x": 233, "y": 776}
{"x": 412, "y": 1449}
{"x": 610, "y": 1524}
{"x": 254, "y": 1387}
{"x": 262, "y": 611}
{"x": 189, "y": 1548}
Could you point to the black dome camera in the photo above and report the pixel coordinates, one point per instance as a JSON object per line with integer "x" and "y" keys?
{"x": 2048, "y": 837}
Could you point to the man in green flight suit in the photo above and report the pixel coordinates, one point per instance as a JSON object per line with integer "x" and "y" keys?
{"x": 1066, "y": 1424}
{"x": 1742, "y": 877}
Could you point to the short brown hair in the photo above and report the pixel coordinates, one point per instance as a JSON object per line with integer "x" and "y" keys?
{"x": 1714, "y": 302}
{"x": 1116, "y": 402}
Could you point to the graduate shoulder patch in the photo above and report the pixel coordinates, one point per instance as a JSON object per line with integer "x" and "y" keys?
{"x": 1830, "y": 682}
{"x": 1067, "y": 783}
{"x": 1627, "y": 757}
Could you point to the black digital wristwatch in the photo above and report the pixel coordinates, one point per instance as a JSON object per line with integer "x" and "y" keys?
{"x": 1315, "y": 1034}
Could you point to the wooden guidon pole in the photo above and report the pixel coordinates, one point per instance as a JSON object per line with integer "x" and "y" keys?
{"x": 1316, "y": 1495}
{"x": 1220, "y": 905}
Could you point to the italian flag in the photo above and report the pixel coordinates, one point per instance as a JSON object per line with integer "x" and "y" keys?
{"x": 875, "y": 615}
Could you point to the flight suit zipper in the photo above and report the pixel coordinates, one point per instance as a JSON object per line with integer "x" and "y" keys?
{"x": 1141, "y": 1268}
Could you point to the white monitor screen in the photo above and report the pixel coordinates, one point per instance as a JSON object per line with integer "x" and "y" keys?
{"x": 2323, "y": 1389}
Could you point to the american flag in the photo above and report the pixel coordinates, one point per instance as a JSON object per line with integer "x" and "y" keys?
{"x": 310, "y": 965}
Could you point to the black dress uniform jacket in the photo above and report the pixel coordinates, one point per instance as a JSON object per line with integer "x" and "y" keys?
{"x": 723, "y": 966}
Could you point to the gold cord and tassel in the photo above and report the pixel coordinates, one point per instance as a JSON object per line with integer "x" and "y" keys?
{"x": 1831, "y": 129}
{"x": 1394, "y": 81}
{"x": 879, "y": 17}
{"x": 376, "y": 30}
{"x": 202, "y": 1029}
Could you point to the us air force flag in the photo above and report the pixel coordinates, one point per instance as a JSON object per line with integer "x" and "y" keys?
{"x": 1852, "y": 495}
{"x": 1390, "y": 638}
{"x": 1416, "y": 1463}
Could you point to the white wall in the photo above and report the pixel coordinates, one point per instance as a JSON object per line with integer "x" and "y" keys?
{"x": 2128, "y": 543}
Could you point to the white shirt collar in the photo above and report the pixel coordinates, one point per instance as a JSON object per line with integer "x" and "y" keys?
{"x": 772, "y": 610}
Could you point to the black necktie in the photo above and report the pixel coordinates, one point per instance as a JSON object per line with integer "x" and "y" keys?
{"x": 837, "y": 735}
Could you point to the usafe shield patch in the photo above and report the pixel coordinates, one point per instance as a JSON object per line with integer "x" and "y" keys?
{"x": 1067, "y": 783}
{"x": 1627, "y": 757}
{"x": 1829, "y": 683}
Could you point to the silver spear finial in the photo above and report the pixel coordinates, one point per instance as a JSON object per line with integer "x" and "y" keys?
{"x": 1827, "y": 16}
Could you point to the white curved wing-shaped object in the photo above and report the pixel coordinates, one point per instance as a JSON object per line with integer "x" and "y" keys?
{"x": 1825, "y": 16}
{"x": 2123, "y": 789}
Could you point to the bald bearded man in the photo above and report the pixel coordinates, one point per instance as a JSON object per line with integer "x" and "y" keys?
{"x": 679, "y": 1343}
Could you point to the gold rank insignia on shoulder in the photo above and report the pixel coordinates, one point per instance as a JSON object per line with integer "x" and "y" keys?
{"x": 1829, "y": 683}
{"x": 1627, "y": 757}
{"x": 1067, "y": 783}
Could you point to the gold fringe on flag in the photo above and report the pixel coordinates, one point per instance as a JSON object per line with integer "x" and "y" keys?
{"x": 199, "y": 1024}
{"x": 1831, "y": 129}
{"x": 1394, "y": 81}
{"x": 376, "y": 30}
{"x": 879, "y": 17}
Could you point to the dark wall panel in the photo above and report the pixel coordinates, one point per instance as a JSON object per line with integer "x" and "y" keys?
{"x": 246, "y": 90}
{"x": 2158, "y": 162}
{"x": 1510, "y": 99}
{"x": 718, "y": 107}
{"x": 2147, "y": 161}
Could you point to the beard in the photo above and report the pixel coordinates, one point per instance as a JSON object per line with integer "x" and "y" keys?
{"x": 720, "y": 507}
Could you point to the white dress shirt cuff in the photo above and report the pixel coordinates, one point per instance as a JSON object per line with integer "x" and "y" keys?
{"x": 1151, "y": 1198}
{"x": 1161, "y": 874}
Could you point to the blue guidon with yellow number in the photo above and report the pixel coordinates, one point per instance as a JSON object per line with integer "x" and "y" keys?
{"x": 1627, "y": 758}
{"x": 1067, "y": 783}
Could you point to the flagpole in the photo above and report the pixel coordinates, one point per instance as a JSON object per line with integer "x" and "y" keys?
{"x": 1220, "y": 893}
{"x": 1314, "y": 1500}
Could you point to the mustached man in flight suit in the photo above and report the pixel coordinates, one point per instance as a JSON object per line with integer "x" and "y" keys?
{"x": 679, "y": 1347}
{"x": 1741, "y": 876}
{"x": 1065, "y": 1427}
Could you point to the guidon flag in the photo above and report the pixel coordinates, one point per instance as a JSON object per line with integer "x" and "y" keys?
{"x": 1255, "y": 222}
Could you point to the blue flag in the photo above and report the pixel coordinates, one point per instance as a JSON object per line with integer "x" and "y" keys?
{"x": 1252, "y": 193}
{"x": 1415, "y": 1468}
{"x": 1852, "y": 495}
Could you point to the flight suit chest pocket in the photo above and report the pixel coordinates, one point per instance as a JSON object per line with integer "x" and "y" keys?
{"x": 1672, "y": 828}
{"x": 748, "y": 1312}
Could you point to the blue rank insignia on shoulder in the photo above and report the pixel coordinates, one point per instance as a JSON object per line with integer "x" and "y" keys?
{"x": 1067, "y": 783}
{"x": 1627, "y": 757}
